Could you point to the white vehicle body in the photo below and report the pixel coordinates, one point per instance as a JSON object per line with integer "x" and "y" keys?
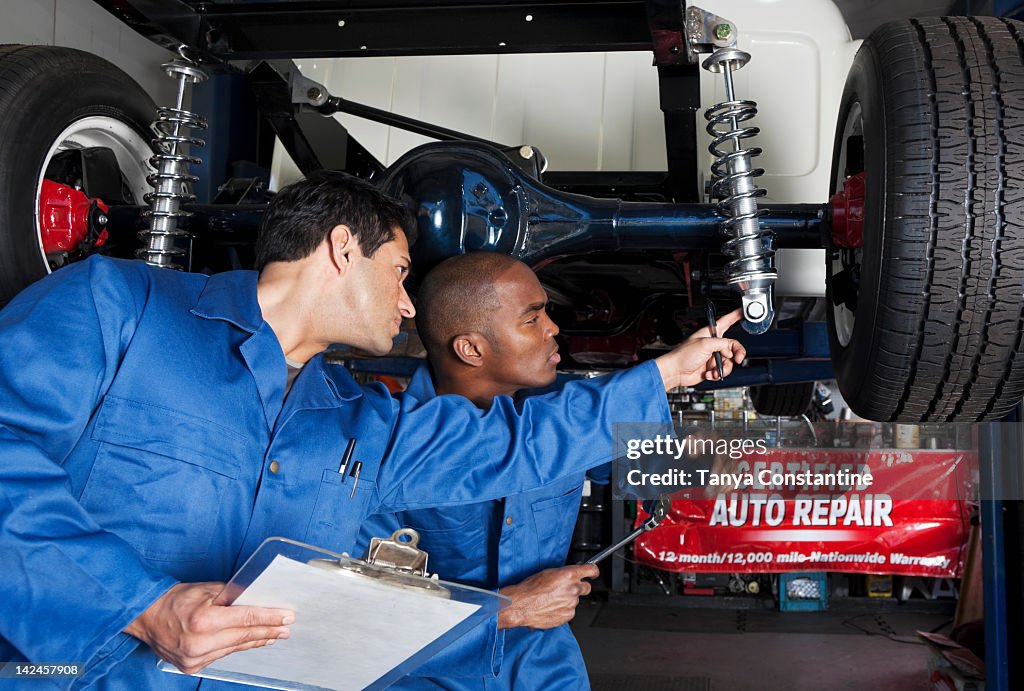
{"x": 600, "y": 111}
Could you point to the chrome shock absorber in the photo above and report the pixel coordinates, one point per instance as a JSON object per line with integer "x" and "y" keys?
{"x": 172, "y": 177}
{"x": 749, "y": 245}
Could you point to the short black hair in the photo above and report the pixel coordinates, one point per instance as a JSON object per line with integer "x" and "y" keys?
{"x": 301, "y": 215}
{"x": 456, "y": 297}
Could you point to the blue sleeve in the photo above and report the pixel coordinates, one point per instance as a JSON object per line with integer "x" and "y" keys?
{"x": 601, "y": 474}
{"x": 69, "y": 587}
{"x": 445, "y": 451}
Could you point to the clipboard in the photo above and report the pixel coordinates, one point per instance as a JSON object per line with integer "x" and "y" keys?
{"x": 359, "y": 624}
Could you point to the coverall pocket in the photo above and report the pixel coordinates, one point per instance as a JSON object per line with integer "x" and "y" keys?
{"x": 555, "y": 520}
{"x": 159, "y": 477}
{"x": 338, "y": 513}
{"x": 456, "y": 540}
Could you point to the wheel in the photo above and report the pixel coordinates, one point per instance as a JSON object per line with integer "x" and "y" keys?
{"x": 926, "y": 309}
{"x": 788, "y": 400}
{"x": 78, "y": 123}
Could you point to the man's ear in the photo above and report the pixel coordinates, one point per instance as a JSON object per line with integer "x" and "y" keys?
{"x": 341, "y": 246}
{"x": 470, "y": 348}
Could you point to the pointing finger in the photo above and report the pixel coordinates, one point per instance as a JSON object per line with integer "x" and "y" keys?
{"x": 728, "y": 320}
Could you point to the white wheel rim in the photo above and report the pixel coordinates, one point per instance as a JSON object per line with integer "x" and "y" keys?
{"x": 130, "y": 148}
{"x": 845, "y": 318}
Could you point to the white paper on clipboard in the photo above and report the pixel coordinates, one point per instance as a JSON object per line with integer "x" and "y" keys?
{"x": 350, "y": 631}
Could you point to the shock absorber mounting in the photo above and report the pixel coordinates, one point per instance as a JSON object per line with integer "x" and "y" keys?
{"x": 172, "y": 178}
{"x": 748, "y": 243}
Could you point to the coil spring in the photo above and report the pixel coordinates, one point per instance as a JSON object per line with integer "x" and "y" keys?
{"x": 729, "y": 170}
{"x": 749, "y": 245}
{"x": 172, "y": 176}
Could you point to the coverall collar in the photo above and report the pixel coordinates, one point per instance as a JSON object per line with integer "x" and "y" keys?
{"x": 421, "y": 385}
{"x": 231, "y": 296}
{"x": 340, "y": 384}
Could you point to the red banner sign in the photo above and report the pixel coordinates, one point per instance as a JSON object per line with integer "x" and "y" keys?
{"x": 812, "y": 510}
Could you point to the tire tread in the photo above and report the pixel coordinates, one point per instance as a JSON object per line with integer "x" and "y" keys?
{"x": 950, "y": 316}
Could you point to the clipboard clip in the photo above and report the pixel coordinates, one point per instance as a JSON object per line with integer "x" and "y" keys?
{"x": 395, "y": 560}
{"x": 399, "y": 552}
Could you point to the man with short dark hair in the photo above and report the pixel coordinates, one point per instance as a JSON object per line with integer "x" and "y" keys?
{"x": 483, "y": 320}
{"x": 186, "y": 418}
{"x": 294, "y": 223}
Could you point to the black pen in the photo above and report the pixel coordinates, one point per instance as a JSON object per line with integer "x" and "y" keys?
{"x": 346, "y": 457}
{"x": 713, "y": 328}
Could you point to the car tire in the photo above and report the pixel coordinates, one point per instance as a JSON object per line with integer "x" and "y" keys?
{"x": 44, "y": 92}
{"x": 933, "y": 115}
{"x": 788, "y": 400}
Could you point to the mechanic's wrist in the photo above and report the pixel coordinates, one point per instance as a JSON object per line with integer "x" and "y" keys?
{"x": 138, "y": 628}
{"x": 670, "y": 376}
{"x": 512, "y": 616}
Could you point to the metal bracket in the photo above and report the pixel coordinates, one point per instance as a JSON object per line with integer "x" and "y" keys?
{"x": 707, "y": 32}
{"x": 303, "y": 90}
{"x": 307, "y": 91}
{"x": 313, "y": 141}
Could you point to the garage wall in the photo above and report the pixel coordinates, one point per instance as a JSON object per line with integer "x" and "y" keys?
{"x": 512, "y": 99}
{"x": 84, "y": 25}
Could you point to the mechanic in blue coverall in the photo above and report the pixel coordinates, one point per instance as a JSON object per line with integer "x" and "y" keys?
{"x": 483, "y": 321}
{"x": 155, "y": 427}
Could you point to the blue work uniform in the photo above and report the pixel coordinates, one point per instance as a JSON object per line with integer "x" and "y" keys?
{"x": 146, "y": 440}
{"x": 494, "y": 544}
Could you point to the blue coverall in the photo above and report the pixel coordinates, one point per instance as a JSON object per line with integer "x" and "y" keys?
{"x": 491, "y": 545}
{"x": 140, "y": 415}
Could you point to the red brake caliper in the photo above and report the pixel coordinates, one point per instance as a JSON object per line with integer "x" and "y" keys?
{"x": 64, "y": 217}
{"x": 848, "y": 213}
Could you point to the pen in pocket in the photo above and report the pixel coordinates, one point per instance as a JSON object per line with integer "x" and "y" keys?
{"x": 346, "y": 457}
{"x": 357, "y": 467}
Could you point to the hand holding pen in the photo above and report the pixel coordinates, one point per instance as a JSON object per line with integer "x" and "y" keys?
{"x": 693, "y": 361}
{"x": 713, "y": 329}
